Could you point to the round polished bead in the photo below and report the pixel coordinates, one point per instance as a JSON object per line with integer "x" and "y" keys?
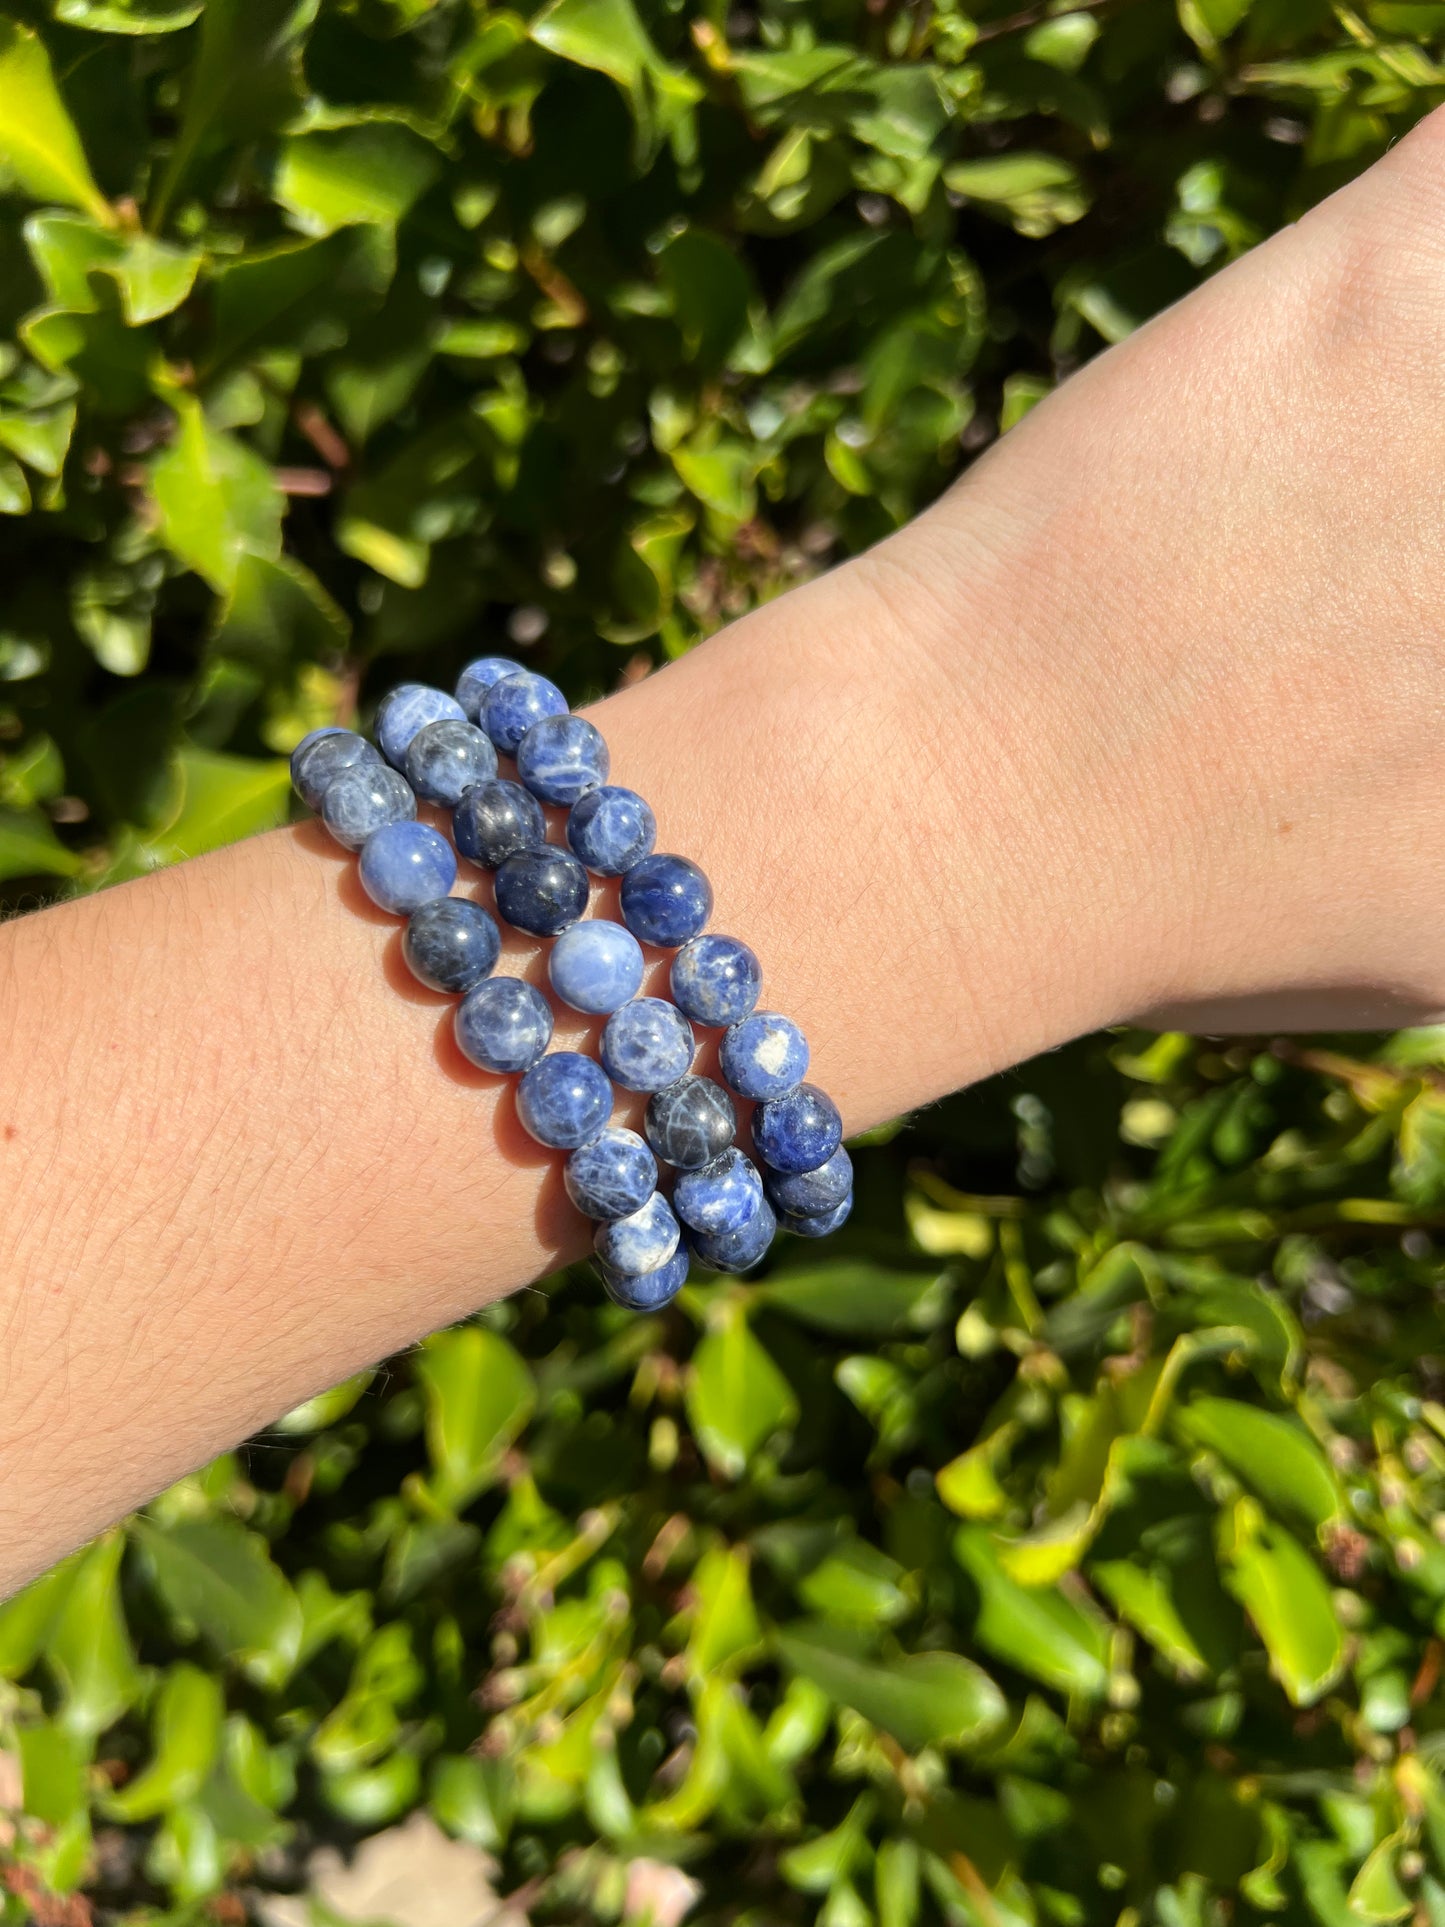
{"x": 404, "y": 865}
{"x": 720, "y": 1196}
{"x": 611, "y": 828}
{"x": 764, "y": 1056}
{"x": 798, "y": 1132}
{"x": 515, "y": 703}
{"x": 496, "y": 820}
{"x": 504, "y": 1025}
{"x": 322, "y": 755}
{"x": 477, "y": 678}
{"x": 611, "y": 1177}
{"x": 690, "y": 1123}
{"x": 359, "y": 800}
{"x": 410, "y": 707}
{"x": 564, "y": 1100}
{"x": 451, "y": 944}
{"x": 819, "y": 1224}
{"x": 596, "y": 966}
{"x": 561, "y": 758}
{"x": 715, "y": 980}
{"x": 642, "y": 1241}
{"x": 647, "y": 1045}
{"x": 541, "y": 891}
{"x": 647, "y": 1290}
{"x": 736, "y": 1250}
{"x": 665, "y": 900}
{"x": 444, "y": 760}
{"x": 812, "y": 1194}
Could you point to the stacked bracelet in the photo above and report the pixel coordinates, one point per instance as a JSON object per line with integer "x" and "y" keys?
{"x": 723, "y": 1209}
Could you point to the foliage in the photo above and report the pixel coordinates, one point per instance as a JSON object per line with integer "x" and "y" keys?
{"x": 1060, "y": 1554}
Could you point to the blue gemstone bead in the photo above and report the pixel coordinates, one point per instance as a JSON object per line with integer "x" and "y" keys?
{"x": 410, "y": 707}
{"x": 720, "y": 1196}
{"x": 611, "y": 1177}
{"x": 610, "y": 829}
{"x": 798, "y": 1132}
{"x": 561, "y": 758}
{"x": 812, "y": 1194}
{"x": 497, "y": 820}
{"x": 451, "y": 944}
{"x": 690, "y": 1123}
{"x": 541, "y": 891}
{"x": 564, "y": 1100}
{"x": 361, "y": 799}
{"x": 764, "y": 1056}
{"x": 715, "y": 980}
{"x": 648, "y": 1290}
{"x": 444, "y": 760}
{"x": 596, "y": 966}
{"x": 404, "y": 865}
{"x": 642, "y": 1241}
{"x": 477, "y": 678}
{"x": 515, "y": 703}
{"x": 820, "y": 1224}
{"x": 647, "y": 1045}
{"x": 665, "y": 900}
{"x": 504, "y": 1025}
{"x": 736, "y": 1250}
{"x": 322, "y": 755}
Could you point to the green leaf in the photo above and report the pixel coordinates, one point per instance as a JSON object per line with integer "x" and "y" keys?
{"x": 187, "y": 1738}
{"x": 479, "y": 1395}
{"x": 1040, "y": 1631}
{"x": 736, "y": 1396}
{"x": 38, "y": 139}
{"x": 89, "y": 1647}
{"x": 26, "y": 1621}
{"x": 725, "y": 1629}
{"x": 215, "y": 500}
{"x": 40, "y": 436}
{"x": 1273, "y": 1454}
{"x": 922, "y": 1699}
{"x": 152, "y": 277}
{"x": 1287, "y": 1597}
{"x": 128, "y": 16}
{"x": 220, "y": 799}
{"x": 609, "y": 36}
{"x": 52, "y": 1772}
{"x": 858, "y": 1299}
{"x": 1034, "y": 192}
{"x": 353, "y": 175}
{"x": 303, "y": 296}
{"x": 29, "y": 847}
{"x": 219, "y": 1580}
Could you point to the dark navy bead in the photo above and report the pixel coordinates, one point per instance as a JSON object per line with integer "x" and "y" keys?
{"x": 665, "y": 900}
{"x": 504, "y": 1025}
{"x": 451, "y": 944}
{"x": 611, "y": 1177}
{"x": 542, "y": 891}
{"x": 648, "y": 1290}
{"x": 647, "y": 1045}
{"x": 477, "y": 678}
{"x": 404, "y": 865}
{"x": 820, "y": 1224}
{"x": 496, "y": 820}
{"x": 690, "y": 1123}
{"x": 642, "y": 1241}
{"x": 736, "y": 1250}
{"x": 596, "y": 966}
{"x": 564, "y": 1100}
{"x": 764, "y": 1056}
{"x": 445, "y": 759}
{"x": 798, "y": 1132}
{"x": 610, "y": 829}
{"x": 323, "y": 754}
{"x": 715, "y": 980}
{"x": 812, "y": 1194}
{"x": 410, "y": 707}
{"x": 515, "y": 703}
{"x": 359, "y": 800}
{"x": 720, "y": 1196}
{"x": 561, "y": 758}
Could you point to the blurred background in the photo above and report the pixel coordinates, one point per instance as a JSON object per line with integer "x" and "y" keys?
{"x": 1059, "y": 1544}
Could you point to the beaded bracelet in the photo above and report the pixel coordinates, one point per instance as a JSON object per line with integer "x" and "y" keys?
{"x": 444, "y": 749}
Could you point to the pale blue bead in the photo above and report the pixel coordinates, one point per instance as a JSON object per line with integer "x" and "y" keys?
{"x": 361, "y": 799}
{"x": 821, "y": 1224}
{"x": 715, "y": 980}
{"x": 641, "y": 1241}
{"x": 515, "y": 703}
{"x": 721, "y": 1196}
{"x": 736, "y": 1250}
{"x": 611, "y": 1177}
{"x": 610, "y": 829}
{"x": 596, "y": 966}
{"x": 446, "y": 759}
{"x": 798, "y": 1132}
{"x": 477, "y": 678}
{"x": 561, "y": 758}
{"x": 564, "y": 1100}
{"x": 812, "y": 1194}
{"x": 647, "y": 1045}
{"x": 647, "y": 1290}
{"x": 504, "y": 1025}
{"x": 410, "y": 707}
{"x": 764, "y": 1056}
{"x": 665, "y": 900}
{"x": 404, "y": 865}
{"x": 321, "y": 756}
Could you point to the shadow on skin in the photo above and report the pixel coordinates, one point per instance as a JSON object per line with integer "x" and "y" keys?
{"x": 1361, "y": 1007}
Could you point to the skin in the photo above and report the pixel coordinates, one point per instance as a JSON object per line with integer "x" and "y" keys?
{"x": 1142, "y": 719}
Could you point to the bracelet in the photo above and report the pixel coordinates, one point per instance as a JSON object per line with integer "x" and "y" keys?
{"x": 444, "y": 749}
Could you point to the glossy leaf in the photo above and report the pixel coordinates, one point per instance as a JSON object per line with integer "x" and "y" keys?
{"x": 38, "y": 139}
{"x": 220, "y": 1581}
{"x": 187, "y": 1737}
{"x": 922, "y": 1699}
{"x": 479, "y": 1394}
{"x": 737, "y": 1399}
